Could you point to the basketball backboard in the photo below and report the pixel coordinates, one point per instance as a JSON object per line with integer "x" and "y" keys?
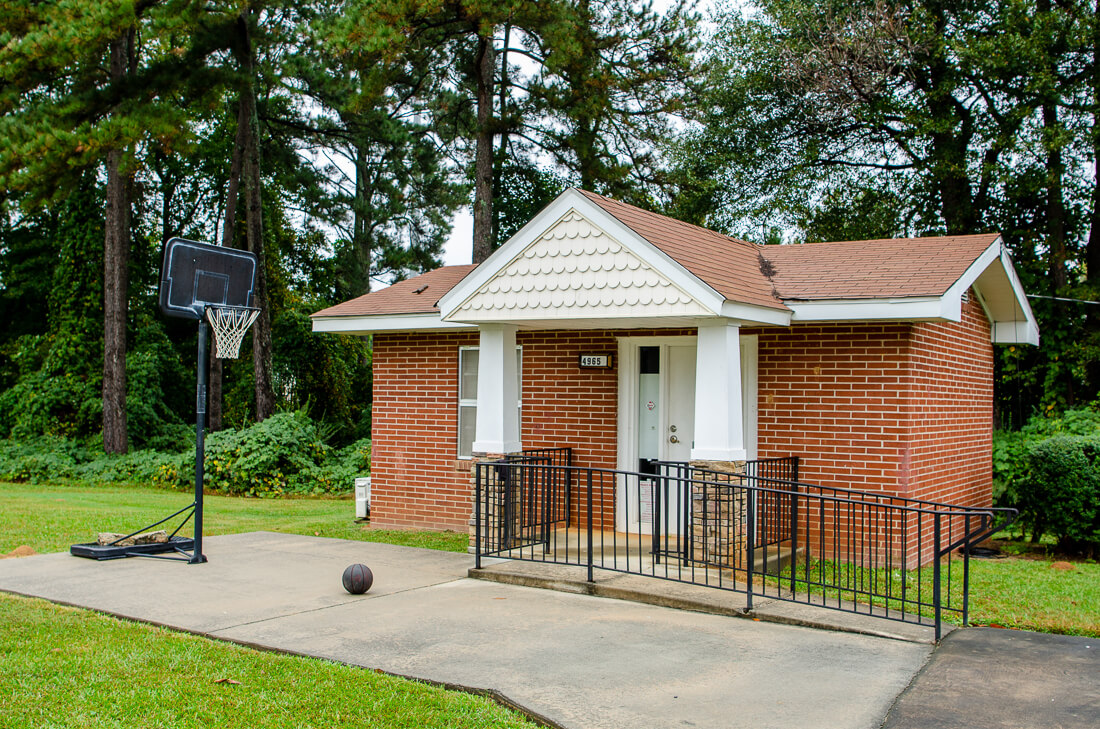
{"x": 197, "y": 275}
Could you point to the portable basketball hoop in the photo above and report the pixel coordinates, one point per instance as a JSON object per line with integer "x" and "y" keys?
{"x": 213, "y": 286}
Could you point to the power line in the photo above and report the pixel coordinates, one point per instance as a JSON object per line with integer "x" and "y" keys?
{"x": 1061, "y": 298}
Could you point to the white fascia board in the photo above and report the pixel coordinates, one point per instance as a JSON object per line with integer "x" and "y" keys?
{"x": 905, "y": 309}
{"x": 385, "y": 323}
{"x": 755, "y": 314}
{"x": 1027, "y": 331}
{"x": 569, "y": 200}
{"x": 1003, "y": 331}
{"x": 952, "y": 298}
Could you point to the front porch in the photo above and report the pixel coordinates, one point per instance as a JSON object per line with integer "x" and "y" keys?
{"x": 759, "y": 532}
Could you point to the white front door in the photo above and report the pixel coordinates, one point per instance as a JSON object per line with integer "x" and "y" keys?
{"x": 663, "y": 405}
{"x": 657, "y": 422}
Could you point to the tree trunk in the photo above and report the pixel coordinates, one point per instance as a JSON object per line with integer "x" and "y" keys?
{"x": 1092, "y": 249}
{"x": 483, "y": 164}
{"x": 501, "y": 156}
{"x": 1055, "y": 204}
{"x": 229, "y": 225}
{"x": 116, "y": 259}
{"x": 361, "y": 227}
{"x": 261, "y": 332}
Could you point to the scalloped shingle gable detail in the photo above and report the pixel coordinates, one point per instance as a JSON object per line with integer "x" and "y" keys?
{"x": 577, "y": 270}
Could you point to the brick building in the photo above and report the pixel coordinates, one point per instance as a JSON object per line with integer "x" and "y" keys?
{"x": 627, "y": 335}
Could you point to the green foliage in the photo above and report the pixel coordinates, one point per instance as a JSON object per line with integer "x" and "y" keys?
{"x": 1062, "y": 492}
{"x": 1049, "y": 470}
{"x": 525, "y": 189}
{"x": 328, "y": 374}
{"x": 1010, "y": 447}
{"x": 154, "y": 373}
{"x": 286, "y": 453}
{"x": 41, "y": 460}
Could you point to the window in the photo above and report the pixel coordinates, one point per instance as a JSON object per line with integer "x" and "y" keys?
{"x": 467, "y": 397}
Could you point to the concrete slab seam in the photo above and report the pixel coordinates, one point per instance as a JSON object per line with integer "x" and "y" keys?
{"x": 909, "y": 686}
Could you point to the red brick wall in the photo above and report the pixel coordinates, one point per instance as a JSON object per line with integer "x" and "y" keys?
{"x": 951, "y": 410}
{"x": 844, "y": 397}
{"x": 417, "y": 479}
{"x": 834, "y": 395}
{"x": 415, "y": 431}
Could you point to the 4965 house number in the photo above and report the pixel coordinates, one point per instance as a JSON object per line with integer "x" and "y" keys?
{"x": 595, "y": 360}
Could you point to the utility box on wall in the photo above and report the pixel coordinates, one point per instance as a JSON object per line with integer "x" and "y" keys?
{"x": 362, "y": 498}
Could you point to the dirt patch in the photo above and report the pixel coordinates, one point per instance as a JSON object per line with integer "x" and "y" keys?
{"x": 21, "y": 551}
{"x": 1062, "y": 565}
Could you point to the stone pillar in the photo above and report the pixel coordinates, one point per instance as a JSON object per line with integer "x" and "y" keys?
{"x": 500, "y": 514}
{"x": 719, "y": 531}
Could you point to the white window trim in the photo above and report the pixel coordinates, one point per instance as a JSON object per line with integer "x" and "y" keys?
{"x": 472, "y": 402}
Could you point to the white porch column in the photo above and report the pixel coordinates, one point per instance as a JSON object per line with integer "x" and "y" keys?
{"x": 719, "y": 422}
{"x": 497, "y": 428}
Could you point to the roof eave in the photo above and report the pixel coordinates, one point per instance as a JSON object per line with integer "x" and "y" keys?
{"x": 371, "y": 323}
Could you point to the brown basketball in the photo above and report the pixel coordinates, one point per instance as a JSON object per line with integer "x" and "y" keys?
{"x": 357, "y": 579}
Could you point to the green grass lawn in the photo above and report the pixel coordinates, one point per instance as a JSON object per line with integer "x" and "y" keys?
{"x": 1034, "y": 594}
{"x": 63, "y": 667}
{"x": 49, "y": 518}
{"x": 1012, "y": 592}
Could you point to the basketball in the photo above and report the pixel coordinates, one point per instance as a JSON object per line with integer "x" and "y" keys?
{"x": 357, "y": 579}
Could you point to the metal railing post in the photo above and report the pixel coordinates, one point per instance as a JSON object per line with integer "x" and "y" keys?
{"x": 590, "y": 548}
{"x": 936, "y": 573}
{"x": 751, "y": 518}
{"x": 477, "y": 516}
{"x": 966, "y": 572}
{"x": 794, "y": 535}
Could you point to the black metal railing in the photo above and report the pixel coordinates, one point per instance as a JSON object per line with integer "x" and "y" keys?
{"x": 755, "y": 532}
{"x": 534, "y": 500}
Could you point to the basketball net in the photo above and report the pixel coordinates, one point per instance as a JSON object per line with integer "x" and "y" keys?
{"x": 229, "y": 323}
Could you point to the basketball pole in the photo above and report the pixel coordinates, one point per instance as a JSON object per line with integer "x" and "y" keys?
{"x": 197, "y": 556}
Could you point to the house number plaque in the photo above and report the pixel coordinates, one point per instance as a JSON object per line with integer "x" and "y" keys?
{"x": 602, "y": 361}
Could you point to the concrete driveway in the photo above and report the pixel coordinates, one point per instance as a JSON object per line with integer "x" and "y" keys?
{"x": 573, "y": 660}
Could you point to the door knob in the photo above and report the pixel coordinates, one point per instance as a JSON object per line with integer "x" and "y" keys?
{"x": 673, "y": 439}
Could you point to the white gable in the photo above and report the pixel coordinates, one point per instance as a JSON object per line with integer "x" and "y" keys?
{"x": 576, "y": 271}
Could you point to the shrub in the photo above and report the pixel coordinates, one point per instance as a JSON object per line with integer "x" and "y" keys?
{"x": 286, "y": 453}
{"x": 338, "y": 473}
{"x": 264, "y": 458}
{"x": 1010, "y": 448}
{"x": 141, "y": 467}
{"x": 1061, "y": 493}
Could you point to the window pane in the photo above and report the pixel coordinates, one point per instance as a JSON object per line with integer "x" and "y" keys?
{"x": 467, "y": 421}
{"x": 467, "y": 374}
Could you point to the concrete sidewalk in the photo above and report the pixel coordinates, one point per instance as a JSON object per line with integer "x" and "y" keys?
{"x": 576, "y": 660}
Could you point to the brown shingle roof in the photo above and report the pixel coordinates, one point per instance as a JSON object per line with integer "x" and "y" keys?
{"x": 890, "y": 268}
{"x": 871, "y": 269}
{"x": 728, "y": 265}
{"x": 402, "y": 297}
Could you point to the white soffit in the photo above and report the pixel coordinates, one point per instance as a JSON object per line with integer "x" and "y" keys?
{"x": 383, "y": 323}
{"x": 574, "y": 269}
{"x": 1002, "y": 295}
